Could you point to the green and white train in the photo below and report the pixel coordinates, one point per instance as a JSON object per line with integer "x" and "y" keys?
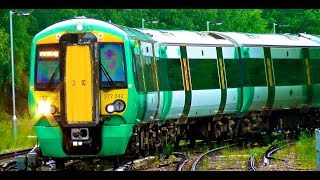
{"x": 99, "y": 89}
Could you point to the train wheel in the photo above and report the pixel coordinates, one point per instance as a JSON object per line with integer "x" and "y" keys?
{"x": 177, "y": 142}
{"x": 60, "y": 166}
{"x": 152, "y": 150}
{"x": 116, "y": 162}
{"x": 192, "y": 143}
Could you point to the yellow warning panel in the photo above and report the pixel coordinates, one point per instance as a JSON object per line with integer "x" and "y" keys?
{"x": 78, "y": 86}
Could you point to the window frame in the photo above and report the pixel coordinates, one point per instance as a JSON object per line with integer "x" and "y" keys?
{"x": 121, "y": 85}
{"x": 44, "y": 86}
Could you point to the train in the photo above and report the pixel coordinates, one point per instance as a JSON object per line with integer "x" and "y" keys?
{"x": 99, "y": 89}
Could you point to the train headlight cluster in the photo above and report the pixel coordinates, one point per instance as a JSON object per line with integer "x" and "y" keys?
{"x": 45, "y": 107}
{"x": 117, "y": 106}
{"x": 79, "y": 133}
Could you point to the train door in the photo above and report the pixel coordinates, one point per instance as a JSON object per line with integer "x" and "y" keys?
{"x": 78, "y": 86}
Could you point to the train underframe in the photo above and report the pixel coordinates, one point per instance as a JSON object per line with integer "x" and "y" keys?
{"x": 254, "y": 128}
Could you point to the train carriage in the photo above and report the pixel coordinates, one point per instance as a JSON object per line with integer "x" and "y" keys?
{"x": 289, "y": 65}
{"x": 314, "y": 65}
{"x": 284, "y": 66}
{"x": 188, "y": 80}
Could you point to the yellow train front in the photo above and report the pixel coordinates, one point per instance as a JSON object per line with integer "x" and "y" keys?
{"x": 79, "y": 89}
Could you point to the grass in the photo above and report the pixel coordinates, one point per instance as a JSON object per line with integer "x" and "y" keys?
{"x": 304, "y": 151}
{"x": 25, "y": 133}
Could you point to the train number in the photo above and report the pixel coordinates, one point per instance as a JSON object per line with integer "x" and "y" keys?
{"x": 52, "y": 97}
{"x": 113, "y": 96}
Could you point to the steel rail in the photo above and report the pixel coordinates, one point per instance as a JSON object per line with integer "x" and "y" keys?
{"x": 195, "y": 163}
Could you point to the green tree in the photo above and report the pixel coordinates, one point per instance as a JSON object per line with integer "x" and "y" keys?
{"x": 242, "y": 20}
{"x": 295, "y": 20}
{"x": 5, "y": 66}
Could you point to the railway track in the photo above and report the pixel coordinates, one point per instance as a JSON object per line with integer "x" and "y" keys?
{"x": 8, "y": 161}
{"x": 175, "y": 161}
{"x": 251, "y": 163}
{"x": 274, "y": 148}
{"x": 270, "y": 162}
{"x": 137, "y": 165}
{"x": 198, "y": 159}
{"x": 191, "y": 163}
{"x": 183, "y": 161}
{"x": 14, "y": 153}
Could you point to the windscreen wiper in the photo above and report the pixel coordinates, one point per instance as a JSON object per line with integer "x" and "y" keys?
{"x": 105, "y": 72}
{"x": 53, "y": 77}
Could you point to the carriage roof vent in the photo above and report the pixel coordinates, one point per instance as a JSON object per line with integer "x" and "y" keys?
{"x": 201, "y": 34}
{"x": 80, "y": 17}
{"x": 291, "y": 37}
{"x": 167, "y": 33}
{"x": 252, "y": 36}
{"x": 216, "y": 36}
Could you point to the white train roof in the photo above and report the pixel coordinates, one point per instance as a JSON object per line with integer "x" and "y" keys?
{"x": 182, "y": 37}
{"x": 248, "y": 39}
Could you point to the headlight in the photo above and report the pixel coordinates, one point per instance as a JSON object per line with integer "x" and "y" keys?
{"x": 53, "y": 109}
{"x": 110, "y": 108}
{"x": 79, "y": 27}
{"x": 43, "y": 107}
{"x": 117, "y": 106}
{"x": 79, "y": 133}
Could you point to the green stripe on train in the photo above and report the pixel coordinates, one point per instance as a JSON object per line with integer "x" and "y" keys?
{"x": 223, "y": 85}
{"x": 248, "y": 92}
{"x": 167, "y": 95}
{"x": 239, "y": 90}
{"x": 270, "y": 78}
{"x": 188, "y": 94}
{"x": 308, "y": 87}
